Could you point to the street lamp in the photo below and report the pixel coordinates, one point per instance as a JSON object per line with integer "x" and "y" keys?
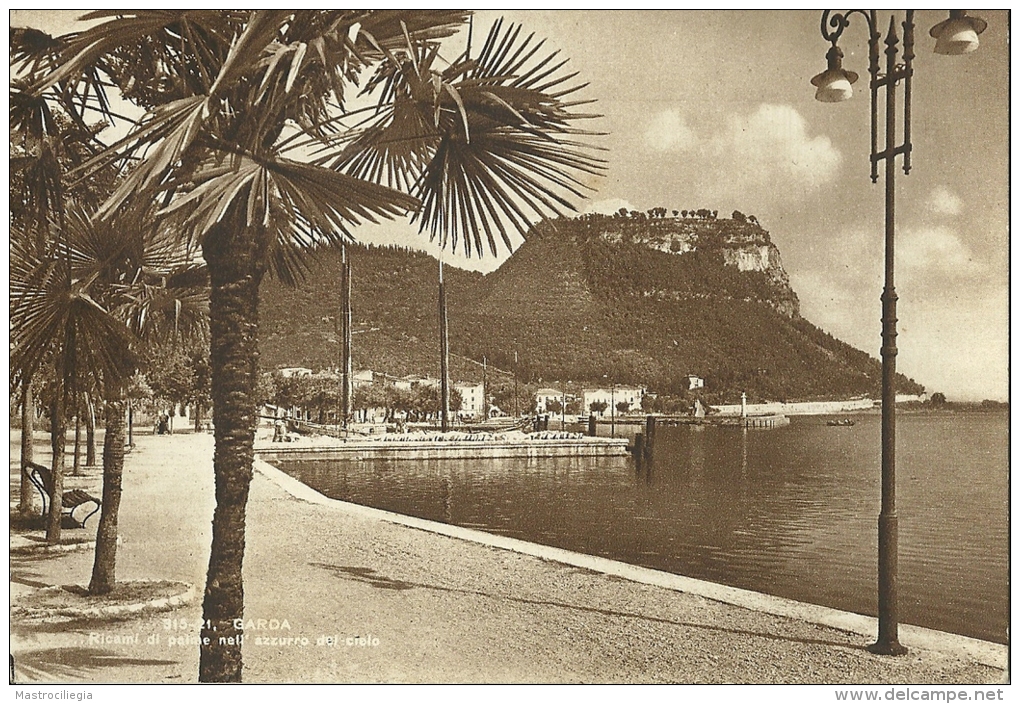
{"x": 612, "y": 402}
{"x": 957, "y": 35}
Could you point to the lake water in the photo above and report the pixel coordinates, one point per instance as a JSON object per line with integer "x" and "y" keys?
{"x": 790, "y": 511}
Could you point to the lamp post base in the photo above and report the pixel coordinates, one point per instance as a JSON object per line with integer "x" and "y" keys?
{"x": 887, "y": 648}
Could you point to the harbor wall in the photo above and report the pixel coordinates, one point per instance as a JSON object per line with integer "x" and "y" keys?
{"x": 430, "y": 450}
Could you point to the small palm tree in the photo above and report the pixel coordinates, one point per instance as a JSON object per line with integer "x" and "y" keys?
{"x": 252, "y": 143}
{"x": 87, "y": 306}
{"x": 56, "y": 321}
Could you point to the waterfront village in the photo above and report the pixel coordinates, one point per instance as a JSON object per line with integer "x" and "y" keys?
{"x": 467, "y": 398}
{"x": 382, "y": 402}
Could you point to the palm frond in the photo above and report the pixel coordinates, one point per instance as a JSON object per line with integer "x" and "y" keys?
{"x": 488, "y": 144}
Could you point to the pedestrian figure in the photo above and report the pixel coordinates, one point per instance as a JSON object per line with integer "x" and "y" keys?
{"x": 279, "y": 430}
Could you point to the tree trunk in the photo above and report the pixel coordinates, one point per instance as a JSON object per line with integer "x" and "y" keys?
{"x": 76, "y": 466}
{"x": 90, "y": 433}
{"x": 235, "y": 271}
{"x": 27, "y": 450}
{"x": 58, "y": 442}
{"x": 104, "y": 565}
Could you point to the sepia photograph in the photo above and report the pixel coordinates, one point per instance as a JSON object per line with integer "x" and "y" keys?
{"x": 521, "y": 347}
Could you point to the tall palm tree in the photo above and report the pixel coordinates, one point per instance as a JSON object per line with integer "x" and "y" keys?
{"x": 253, "y": 144}
{"x": 46, "y": 142}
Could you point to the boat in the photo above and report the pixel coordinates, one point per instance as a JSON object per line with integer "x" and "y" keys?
{"x": 843, "y": 423}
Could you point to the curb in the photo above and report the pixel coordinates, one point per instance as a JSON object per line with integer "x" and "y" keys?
{"x": 43, "y": 548}
{"x": 980, "y": 651}
{"x": 42, "y": 614}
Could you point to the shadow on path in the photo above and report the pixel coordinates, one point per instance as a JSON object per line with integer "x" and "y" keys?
{"x": 71, "y": 663}
{"x": 367, "y": 575}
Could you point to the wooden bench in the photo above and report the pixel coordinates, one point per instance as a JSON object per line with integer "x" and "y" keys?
{"x": 42, "y": 478}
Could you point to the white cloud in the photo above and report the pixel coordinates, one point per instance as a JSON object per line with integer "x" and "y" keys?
{"x": 773, "y": 143}
{"x": 945, "y": 202}
{"x": 934, "y": 252}
{"x": 607, "y": 207}
{"x": 668, "y": 131}
{"x": 753, "y": 159}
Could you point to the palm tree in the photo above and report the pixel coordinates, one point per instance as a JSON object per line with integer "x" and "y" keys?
{"x": 250, "y": 140}
{"x": 86, "y": 305}
{"x": 66, "y": 274}
{"x": 56, "y": 321}
{"x": 42, "y": 143}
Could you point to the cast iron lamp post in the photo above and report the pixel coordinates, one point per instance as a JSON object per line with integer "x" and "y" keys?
{"x": 957, "y": 35}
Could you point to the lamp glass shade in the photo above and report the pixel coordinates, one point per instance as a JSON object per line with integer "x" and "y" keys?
{"x": 834, "y": 86}
{"x": 957, "y": 35}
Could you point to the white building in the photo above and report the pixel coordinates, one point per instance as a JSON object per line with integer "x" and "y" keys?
{"x": 472, "y": 401}
{"x": 294, "y": 371}
{"x": 412, "y": 380}
{"x": 695, "y": 382}
{"x": 612, "y": 397}
{"x": 544, "y": 396}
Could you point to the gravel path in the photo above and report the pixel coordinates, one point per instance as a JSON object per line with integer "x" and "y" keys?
{"x": 364, "y": 600}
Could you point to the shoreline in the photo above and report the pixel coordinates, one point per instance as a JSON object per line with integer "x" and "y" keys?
{"x": 980, "y": 651}
{"x": 439, "y": 607}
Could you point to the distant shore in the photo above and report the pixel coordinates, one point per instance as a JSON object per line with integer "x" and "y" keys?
{"x": 804, "y": 408}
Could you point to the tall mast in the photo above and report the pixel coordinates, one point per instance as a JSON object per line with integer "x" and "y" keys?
{"x": 346, "y": 361}
{"x": 444, "y": 355}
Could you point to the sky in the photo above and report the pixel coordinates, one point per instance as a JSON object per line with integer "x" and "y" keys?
{"x": 714, "y": 109}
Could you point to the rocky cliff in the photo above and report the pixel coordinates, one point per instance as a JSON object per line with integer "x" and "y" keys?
{"x": 742, "y": 244}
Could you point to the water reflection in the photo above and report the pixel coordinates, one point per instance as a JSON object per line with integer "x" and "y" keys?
{"x": 790, "y": 511}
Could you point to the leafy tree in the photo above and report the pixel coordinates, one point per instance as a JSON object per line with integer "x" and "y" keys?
{"x": 266, "y": 389}
{"x": 512, "y": 398}
{"x": 200, "y": 393}
{"x": 598, "y": 406}
{"x": 171, "y": 375}
{"x": 622, "y": 406}
{"x": 234, "y": 100}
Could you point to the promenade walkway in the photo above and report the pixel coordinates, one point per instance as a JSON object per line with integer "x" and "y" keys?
{"x": 350, "y": 597}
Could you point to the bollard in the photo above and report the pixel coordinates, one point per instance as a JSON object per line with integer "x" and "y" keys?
{"x": 591, "y": 425}
{"x": 639, "y": 445}
{"x": 649, "y": 435}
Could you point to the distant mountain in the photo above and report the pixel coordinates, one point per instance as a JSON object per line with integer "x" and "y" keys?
{"x": 634, "y": 299}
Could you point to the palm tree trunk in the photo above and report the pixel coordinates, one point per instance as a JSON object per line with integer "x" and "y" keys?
{"x": 90, "y": 434}
{"x": 76, "y": 471}
{"x": 27, "y": 450}
{"x": 235, "y": 271}
{"x": 105, "y": 563}
{"x": 58, "y": 442}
